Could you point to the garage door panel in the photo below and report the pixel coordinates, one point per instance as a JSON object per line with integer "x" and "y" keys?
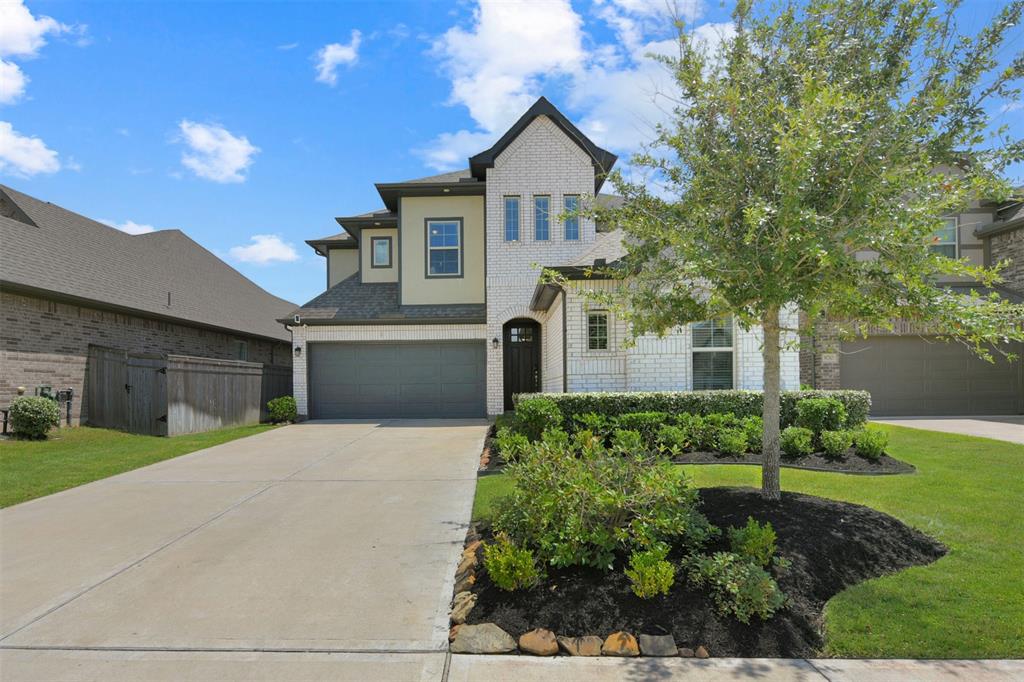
{"x": 917, "y": 376}
{"x": 387, "y": 380}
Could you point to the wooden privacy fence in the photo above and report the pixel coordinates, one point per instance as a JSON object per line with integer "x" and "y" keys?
{"x": 168, "y": 395}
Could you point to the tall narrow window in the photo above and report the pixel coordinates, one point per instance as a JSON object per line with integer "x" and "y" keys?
{"x": 511, "y": 219}
{"x": 712, "y": 354}
{"x": 597, "y": 330}
{"x": 944, "y": 241}
{"x": 444, "y": 248}
{"x": 542, "y": 218}
{"x": 572, "y": 221}
{"x": 380, "y": 251}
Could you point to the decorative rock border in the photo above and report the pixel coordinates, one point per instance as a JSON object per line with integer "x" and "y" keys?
{"x": 488, "y": 638}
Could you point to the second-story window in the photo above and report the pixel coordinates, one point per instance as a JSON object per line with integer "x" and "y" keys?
{"x": 380, "y": 252}
{"x": 511, "y": 219}
{"x": 542, "y": 218}
{"x": 944, "y": 241}
{"x": 572, "y": 221}
{"x": 444, "y": 247}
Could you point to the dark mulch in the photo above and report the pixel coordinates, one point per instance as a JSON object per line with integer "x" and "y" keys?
{"x": 831, "y": 545}
{"x": 846, "y": 464}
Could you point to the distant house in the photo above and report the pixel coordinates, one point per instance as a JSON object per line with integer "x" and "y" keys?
{"x": 68, "y": 282}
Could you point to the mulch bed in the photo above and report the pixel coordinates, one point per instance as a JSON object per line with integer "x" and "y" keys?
{"x": 831, "y": 545}
{"x": 847, "y": 464}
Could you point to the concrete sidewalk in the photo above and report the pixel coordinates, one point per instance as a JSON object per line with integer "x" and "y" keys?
{"x": 175, "y": 666}
{"x": 1008, "y": 428}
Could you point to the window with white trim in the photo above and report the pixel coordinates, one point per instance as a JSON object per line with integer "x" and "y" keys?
{"x": 511, "y": 219}
{"x": 597, "y": 330}
{"x": 542, "y": 218}
{"x": 444, "y": 248}
{"x": 712, "y": 354}
{"x": 572, "y": 221}
{"x": 944, "y": 240}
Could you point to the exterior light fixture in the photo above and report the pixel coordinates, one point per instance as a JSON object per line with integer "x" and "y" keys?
{"x": 298, "y": 351}
{"x": 495, "y": 343}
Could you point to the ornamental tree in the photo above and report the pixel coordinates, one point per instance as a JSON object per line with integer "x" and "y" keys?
{"x": 808, "y": 163}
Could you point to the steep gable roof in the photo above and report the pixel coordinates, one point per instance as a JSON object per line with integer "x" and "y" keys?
{"x": 603, "y": 160}
{"x": 162, "y": 274}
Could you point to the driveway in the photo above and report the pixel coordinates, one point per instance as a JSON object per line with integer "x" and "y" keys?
{"x": 1000, "y": 428}
{"x": 334, "y": 538}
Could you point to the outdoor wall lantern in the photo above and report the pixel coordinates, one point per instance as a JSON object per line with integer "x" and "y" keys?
{"x": 298, "y": 351}
{"x": 495, "y": 343}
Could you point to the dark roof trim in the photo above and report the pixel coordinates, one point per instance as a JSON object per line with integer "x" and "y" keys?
{"x": 390, "y": 192}
{"x": 322, "y": 246}
{"x": 356, "y": 224}
{"x": 543, "y": 296}
{"x": 343, "y": 322}
{"x": 998, "y": 228}
{"x": 603, "y": 160}
{"x": 15, "y": 288}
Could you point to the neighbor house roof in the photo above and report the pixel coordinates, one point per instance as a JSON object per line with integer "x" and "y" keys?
{"x": 603, "y": 160}
{"x": 351, "y": 301}
{"x": 60, "y": 254}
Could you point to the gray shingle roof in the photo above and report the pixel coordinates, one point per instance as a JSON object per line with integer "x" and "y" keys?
{"x": 354, "y": 302}
{"x": 451, "y": 176}
{"x": 73, "y": 256}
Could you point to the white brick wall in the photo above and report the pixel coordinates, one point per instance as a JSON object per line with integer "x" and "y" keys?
{"x": 553, "y": 371}
{"x": 305, "y": 334}
{"x": 542, "y": 160}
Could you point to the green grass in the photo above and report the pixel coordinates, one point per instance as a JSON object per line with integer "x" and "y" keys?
{"x": 968, "y": 493}
{"x": 71, "y": 457}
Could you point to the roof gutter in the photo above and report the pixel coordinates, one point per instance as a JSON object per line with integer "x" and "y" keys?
{"x": 993, "y": 229}
{"x": 342, "y": 322}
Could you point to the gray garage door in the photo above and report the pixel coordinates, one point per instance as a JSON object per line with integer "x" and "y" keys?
{"x": 412, "y": 380}
{"x": 913, "y": 376}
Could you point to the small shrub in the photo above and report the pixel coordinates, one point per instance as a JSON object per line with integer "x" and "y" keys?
{"x": 732, "y": 441}
{"x": 645, "y": 423}
{"x": 33, "y": 416}
{"x": 510, "y": 444}
{"x": 673, "y": 438}
{"x": 510, "y": 567}
{"x": 598, "y": 424}
{"x": 754, "y": 542}
{"x": 535, "y": 415}
{"x": 649, "y": 573}
{"x": 820, "y": 414}
{"x": 753, "y": 428}
{"x": 836, "y": 443}
{"x": 705, "y": 432}
{"x": 796, "y": 441}
{"x": 629, "y": 442}
{"x": 282, "y": 409}
{"x": 738, "y": 586}
{"x": 870, "y": 443}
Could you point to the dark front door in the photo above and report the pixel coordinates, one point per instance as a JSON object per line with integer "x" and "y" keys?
{"x": 522, "y": 358}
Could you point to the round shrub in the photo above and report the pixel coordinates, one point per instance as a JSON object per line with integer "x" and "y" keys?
{"x": 820, "y": 414}
{"x": 673, "y": 438}
{"x": 510, "y": 567}
{"x": 32, "y": 417}
{"x": 510, "y": 444}
{"x": 282, "y": 409}
{"x": 732, "y": 441}
{"x": 796, "y": 441}
{"x": 645, "y": 423}
{"x": 836, "y": 443}
{"x": 535, "y": 415}
{"x": 870, "y": 444}
{"x": 753, "y": 427}
{"x": 649, "y": 573}
{"x": 740, "y": 587}
{"x": 754, "y": 541}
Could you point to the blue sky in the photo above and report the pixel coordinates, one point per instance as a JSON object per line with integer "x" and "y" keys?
{"x": 250, "y": 126}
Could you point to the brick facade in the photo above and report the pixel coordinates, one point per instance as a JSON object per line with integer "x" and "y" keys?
{"x": 45, "y": 342}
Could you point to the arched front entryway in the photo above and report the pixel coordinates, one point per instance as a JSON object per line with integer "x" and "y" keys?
{"x": 521, "y": 358}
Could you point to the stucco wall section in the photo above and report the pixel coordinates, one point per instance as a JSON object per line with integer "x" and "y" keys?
{"x": 341, "y": 264}
{"x": 417, "y": 288}
{"x": 305, "y": 334}
{"x": 542, "y": 160}
{"x": 378, "y": 274}
{"x": 46, "y": 343}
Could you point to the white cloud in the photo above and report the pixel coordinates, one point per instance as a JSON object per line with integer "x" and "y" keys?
{"x": 330, "y": 57}
{"x": 12, "y": 82}
{"x": 129, "y": 226}
{"x": 287, "y": 46}
{"x": 214, "y": 153}
{"x": 265, "y": 249}
{"x": 25, "y": 156}
{"x": 449, "y": 151}
{"x": 22, "y": 34}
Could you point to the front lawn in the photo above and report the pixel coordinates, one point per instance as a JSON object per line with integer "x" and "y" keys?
{"x": 71, "y": 457}
{"x": 967, "y": 493}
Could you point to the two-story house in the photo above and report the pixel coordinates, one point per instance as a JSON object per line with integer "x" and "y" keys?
{"x": 435, "y": 308}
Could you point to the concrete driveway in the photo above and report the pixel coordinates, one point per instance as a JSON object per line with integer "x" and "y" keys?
{"x": 334, "y": 538}
{"x": 1007, "y": 428}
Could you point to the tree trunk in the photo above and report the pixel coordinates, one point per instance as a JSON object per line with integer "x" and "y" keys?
{"x": 770, "y": 487}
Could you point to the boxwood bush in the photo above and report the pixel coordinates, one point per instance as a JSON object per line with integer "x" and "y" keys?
{"x": 33, "y": 417}
{"x": 735, "y": 402}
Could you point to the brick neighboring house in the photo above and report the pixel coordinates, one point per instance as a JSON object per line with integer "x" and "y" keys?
{"x": 909, "y": 371}
{"x": 68, "y": 282}
{"x": 435, "y": 308}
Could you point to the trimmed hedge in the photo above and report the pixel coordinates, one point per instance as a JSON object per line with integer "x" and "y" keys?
{"x": 737, "y": 402}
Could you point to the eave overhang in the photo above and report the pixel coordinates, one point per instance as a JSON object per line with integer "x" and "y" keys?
{"x": 391, "y": 192}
